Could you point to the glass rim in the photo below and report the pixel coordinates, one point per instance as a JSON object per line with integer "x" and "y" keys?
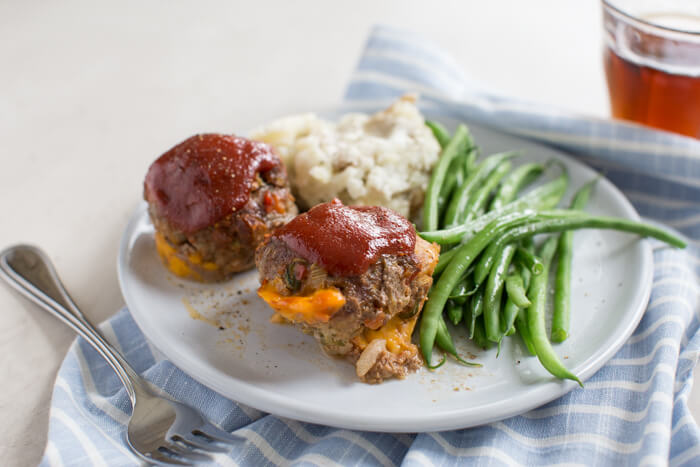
{"x": 608, "y": 4}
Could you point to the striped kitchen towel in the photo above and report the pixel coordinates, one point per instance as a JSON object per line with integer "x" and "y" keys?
{"x": 632, "y": 412}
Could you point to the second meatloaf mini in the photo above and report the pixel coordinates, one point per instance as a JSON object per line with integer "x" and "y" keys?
{"x": 353, "y": 277}
{"x": 212, "y": 199}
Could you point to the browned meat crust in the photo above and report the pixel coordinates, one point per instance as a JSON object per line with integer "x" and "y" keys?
{"x": 389, "y": 365}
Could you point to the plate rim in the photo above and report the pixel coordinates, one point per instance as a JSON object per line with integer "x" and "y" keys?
{"x": 267, "y": 401}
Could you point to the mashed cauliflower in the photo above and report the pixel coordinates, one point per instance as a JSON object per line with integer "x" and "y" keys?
{"x": 383, "y": 159}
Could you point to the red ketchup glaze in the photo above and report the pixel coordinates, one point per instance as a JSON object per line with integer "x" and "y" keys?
{"x": 205, "y": 178}
{"x": 346, "y": 240}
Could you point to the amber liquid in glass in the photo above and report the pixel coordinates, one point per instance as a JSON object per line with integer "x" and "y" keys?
{"x": 652, "y": 96}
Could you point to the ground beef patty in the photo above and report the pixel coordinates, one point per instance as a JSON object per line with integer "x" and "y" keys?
{"x": 367, "y": 316}
{"x": 212, "y": 199}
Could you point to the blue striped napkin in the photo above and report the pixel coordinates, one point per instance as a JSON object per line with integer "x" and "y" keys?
{"x": 633, "y": 411}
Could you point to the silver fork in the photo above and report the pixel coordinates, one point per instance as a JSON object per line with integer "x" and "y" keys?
{"x": 160, "y": 430}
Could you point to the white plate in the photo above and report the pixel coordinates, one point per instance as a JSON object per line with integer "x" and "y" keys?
{"x": 277, "y": 369}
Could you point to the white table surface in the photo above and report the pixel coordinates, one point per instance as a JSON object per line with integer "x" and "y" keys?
{"x": 92, "y": 92}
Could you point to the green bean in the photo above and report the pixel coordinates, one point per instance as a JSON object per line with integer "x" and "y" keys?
{"x": 477, "y": 304}
{"x": 453, "y": 178}
{"x": 561, "y": 315}
{"x": 510, "y": 310}
{"x": 493, "y": 251}
{"x": 529, "y": 259}
{"x": 536, "y": 317}
{"x": 468, "y": 318}
{"x": 582, "y": 196}
{"x": 516, "y": 291}
{"x": 523, "y": 331}
{"x": 470, "y": 160}
{"x": 464, "y": 256}
{"x": 460, "y": 199}
{"x": 581, "y": 220}
{"x": 454, "y": 312}
{"x": 545, "y": 196}
{"x": 476, "y": 307}
{"x": 456, "y": 176}
{"x": 477, "y": 225}
{"x": 448, "y": 255}
{"x": 493, "y": 294}
{"x": 477, "y": 201}
{"x": 480, "y": 335}
{"x": 463, "y": 290}
{"x": 458, "y": 144}
{"x": 529, "y": 245}
{"x": 444, "y": 340}
{"x": 444, "y": 260}
{"x": 442, "y": 362}
{"x": 516, "y": 181}
{"x": 563, "y": 220}
{"x": 439, "y": 131}
{"x": 524, "y": 272}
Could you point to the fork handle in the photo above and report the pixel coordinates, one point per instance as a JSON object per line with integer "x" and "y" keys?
{"x": 29, "y": 271}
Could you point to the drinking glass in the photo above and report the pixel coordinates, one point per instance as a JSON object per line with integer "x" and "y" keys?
{"x": 652, "y": 62}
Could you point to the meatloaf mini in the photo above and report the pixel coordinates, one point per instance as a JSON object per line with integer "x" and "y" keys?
{"x": 353, "y": 277}
{"x": 212, "y": 199}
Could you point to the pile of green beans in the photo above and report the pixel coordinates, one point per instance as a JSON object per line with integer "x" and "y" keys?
{"x": 491, "y": 277}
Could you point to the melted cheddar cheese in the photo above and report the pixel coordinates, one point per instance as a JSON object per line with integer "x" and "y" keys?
{"x": 311, "y": 309}
{"x": 176, "y": 264}
{"x": 396, "y": 332}
{"x": 196, "y": 258}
